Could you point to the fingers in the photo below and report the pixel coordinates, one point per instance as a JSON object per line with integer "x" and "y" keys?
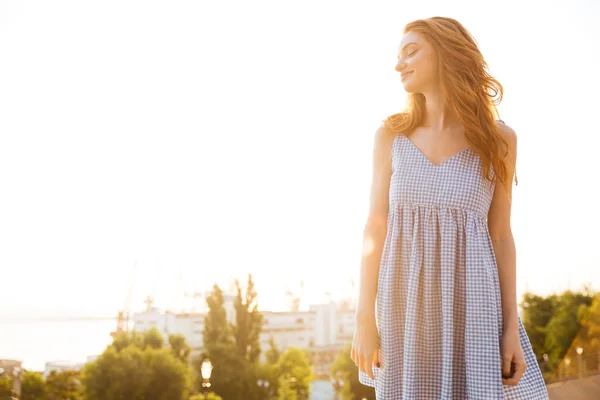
{"x": 355, "y": 357}
{"x": 364, "y": 359}
{"x": 519, "y": 371}
{"x": 506, "y": 361}
{"x": 366, "y": 365}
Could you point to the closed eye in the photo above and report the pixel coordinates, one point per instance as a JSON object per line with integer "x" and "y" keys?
{"x": 412, "y": 53}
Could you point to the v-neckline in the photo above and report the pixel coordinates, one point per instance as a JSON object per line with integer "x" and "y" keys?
{"x": 428, "y": 160}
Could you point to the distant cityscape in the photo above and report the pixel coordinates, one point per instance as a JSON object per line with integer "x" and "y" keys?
{"x": 323, "y": 330}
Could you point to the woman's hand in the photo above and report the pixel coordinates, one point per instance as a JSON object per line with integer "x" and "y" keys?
{"x": 365, "y": 345}
{"x": 513, "y": 360}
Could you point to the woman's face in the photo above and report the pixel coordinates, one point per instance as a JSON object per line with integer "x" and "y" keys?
{"x": 417, "y": 63}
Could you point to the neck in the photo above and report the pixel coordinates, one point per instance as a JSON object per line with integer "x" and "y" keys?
{"x": 438, "y": 116}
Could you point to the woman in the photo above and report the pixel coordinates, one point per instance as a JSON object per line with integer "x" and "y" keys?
{"x": 437, "y": 312}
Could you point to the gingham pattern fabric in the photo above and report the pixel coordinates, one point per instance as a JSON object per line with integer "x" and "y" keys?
{"x": 438, "y": 308}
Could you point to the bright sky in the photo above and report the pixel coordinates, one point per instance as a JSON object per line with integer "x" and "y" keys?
{"x": 211, "y": 139}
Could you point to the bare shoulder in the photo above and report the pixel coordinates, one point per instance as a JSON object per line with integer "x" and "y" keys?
{"x": 384, "y": 135}
{"x": 507, "y": 132}
{"x": 510, "y": 136}
{"x": 383, "y": 141}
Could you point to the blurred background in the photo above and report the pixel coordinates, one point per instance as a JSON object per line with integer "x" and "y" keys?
{"x": 165, "y": 161}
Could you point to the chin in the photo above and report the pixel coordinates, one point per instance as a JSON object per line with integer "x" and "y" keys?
{"x": 410, "y": 85}
{"x": 408, "y": 88}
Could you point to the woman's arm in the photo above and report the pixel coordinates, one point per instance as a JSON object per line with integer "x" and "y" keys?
{"x": 502, "y": 238}
{"x": 375, "y": 229}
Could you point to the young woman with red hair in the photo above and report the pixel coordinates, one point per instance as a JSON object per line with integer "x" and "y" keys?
{"x": 437, "y": 313}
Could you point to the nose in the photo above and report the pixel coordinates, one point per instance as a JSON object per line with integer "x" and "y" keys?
{"x": 400, "y": 65}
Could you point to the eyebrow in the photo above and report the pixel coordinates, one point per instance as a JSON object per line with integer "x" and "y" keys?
{"x": 406, "y": 45}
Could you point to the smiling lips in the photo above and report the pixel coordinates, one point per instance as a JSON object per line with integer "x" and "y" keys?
{"x": 405, "y": 75}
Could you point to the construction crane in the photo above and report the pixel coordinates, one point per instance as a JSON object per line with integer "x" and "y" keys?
{"x": 294, "y": 298}
{"x": 123, "y": 316}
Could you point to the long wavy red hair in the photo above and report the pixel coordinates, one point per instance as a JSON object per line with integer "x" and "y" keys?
{"x": 470, "y": 90}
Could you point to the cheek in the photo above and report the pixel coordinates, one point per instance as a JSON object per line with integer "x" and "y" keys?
{"x": 423, "y": 66}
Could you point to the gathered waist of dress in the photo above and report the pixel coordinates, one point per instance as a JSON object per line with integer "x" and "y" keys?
{"x": 477, "y": 214}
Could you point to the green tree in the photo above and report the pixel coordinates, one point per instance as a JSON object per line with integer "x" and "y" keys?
{"x": 233, "y": 348}
{"x": 63, "y": 385}
{"x": 286, "y": 389}
{"x": 33, "y": 386}
{"x": 294, "y": 370}
{"x": 249, "y": 322}
{"x": 537, "y": 312}
{"x": 141, "y": 370}
{"x": 153, "y": 339}
{"x": 181, "y": 350}
{"x": 125, "y": 339}
{"x": 169, "y": 378}
{"x": 590, "y": 321}
{"x": 216, "y": 329}
{"x": 116, "y": 375}
{"x": 344, "y": 367}
{"x": 272, "y": 355}
{"x": 219, "y": 347}
{"x": 565, "y": 324}
{"x": 558, "y": 322}
{"x": 230, "y": 374}
{"x": 266, "y": 373}
{"x": 5, "y": 387}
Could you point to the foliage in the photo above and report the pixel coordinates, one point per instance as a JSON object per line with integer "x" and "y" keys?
{"x": 537, "y": 312}
{"x": 294, "y": 373}
{"x": 5, "y": 387}
{"x": 557, "y": 323}
{"x": 286, "y": 391}
{"x": 181, "y": 350}
{"x": 249, "y": 322}
{"x": 153, "y": 339}
{"x": 272, "y": 355}
{"x": 63, "y": 385}
{"x": 137, "y": 366}
{"x": 590, "y": 321}
{"x": 233, "y": 349}
{"x": 33, "y": 386}
{"x": 219, "y": 349}
{"x": 344, "y": 367}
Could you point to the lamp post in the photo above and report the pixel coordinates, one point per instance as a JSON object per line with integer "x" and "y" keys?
{"x": 263, "y": 383}
{"x": 567, "y": 363}
{"x": 206, "y": 370}
{"x": 546, "y": 359}
{"x": 579, "y": 361}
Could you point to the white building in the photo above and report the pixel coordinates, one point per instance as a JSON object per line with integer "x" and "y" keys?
{"x": 189, "y": 324}
{"x": 323, "y": 330}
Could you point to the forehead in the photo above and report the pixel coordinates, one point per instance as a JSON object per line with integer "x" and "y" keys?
{"x": 410, "y": 37}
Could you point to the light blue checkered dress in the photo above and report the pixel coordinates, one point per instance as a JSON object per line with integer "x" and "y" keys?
{"x": 438, "y": 308}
